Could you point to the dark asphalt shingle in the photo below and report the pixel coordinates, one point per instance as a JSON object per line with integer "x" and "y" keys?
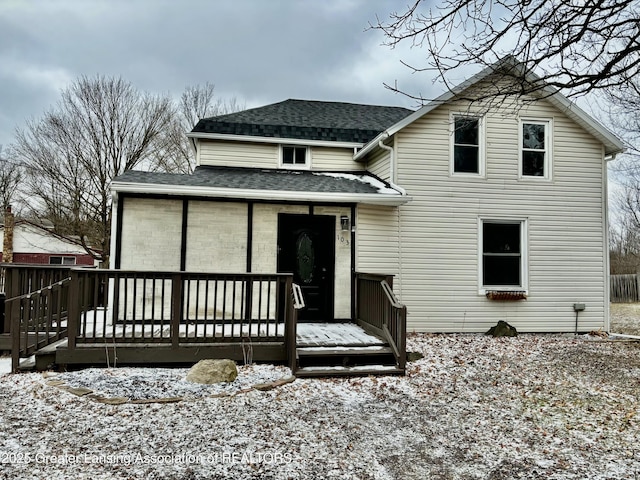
{"x": 307, "y": 120}
{"x": 262, "y": 179}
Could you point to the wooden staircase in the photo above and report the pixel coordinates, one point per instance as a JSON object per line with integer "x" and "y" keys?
{"x": 342, "y": 349}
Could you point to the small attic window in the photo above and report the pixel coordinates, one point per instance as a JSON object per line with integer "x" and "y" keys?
{"x": 294, "y": 157}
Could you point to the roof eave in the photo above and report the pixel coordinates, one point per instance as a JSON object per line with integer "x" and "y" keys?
{"x": 613, "y": 145}
{"x": 278, "y": 140}
{"x": 251, "y": 194}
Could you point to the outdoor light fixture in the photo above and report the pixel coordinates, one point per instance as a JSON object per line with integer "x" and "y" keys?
{"x": 344, "y": 223}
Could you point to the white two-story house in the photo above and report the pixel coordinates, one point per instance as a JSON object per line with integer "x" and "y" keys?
{"x": 480, "y": 211}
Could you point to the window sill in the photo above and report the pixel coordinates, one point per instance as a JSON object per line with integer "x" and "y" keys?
{"x": 506, "y": 295}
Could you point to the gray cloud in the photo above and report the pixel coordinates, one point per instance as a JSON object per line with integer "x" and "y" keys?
{"x": 258, "y": 51}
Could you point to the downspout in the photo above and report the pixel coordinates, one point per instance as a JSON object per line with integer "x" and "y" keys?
{"x": 392, "y": 165}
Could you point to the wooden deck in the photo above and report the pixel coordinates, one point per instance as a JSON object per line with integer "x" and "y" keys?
{"x": 151, "y": 318}
{"x": 334, "y": 335}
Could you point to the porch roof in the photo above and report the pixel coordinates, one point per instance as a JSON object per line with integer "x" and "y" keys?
{"x": 265, "y": 184}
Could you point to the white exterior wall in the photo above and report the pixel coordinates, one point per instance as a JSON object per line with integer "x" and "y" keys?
{"x": 440, "y": 227}
{"x": 377, "y": 246}
{"x": 325, "y": 158}
{"x": 238, "y": 154}
{"x": 379, "y": 164}
{"x": 151, "y": 234}
{"x": 30, "y": 239}
{"x": 267, "y": 155}
{"x": 217, "y": 237}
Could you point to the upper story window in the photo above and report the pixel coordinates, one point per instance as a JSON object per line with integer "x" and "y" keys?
{"x": 467, "y": 145}
{"x": 535, "y": 148}
{"x": 294, "y": 157}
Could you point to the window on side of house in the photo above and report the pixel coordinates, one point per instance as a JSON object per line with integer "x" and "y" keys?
{"x": 62, "y": 260}
{"x": 503, "y": 248}
{"x": 535, "y": 148}
{"x": 294, "y": 157}
{"x": 467, "y": 155}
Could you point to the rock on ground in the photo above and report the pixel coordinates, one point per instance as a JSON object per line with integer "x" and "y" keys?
{"x": 213, "y": 371}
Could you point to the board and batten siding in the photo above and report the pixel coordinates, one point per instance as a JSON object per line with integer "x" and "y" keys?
{"x": 566, "y": 241}
{"x": 238, "y": 154}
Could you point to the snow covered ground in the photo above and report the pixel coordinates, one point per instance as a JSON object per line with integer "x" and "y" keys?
{"x": 5, "y": 365}
{"x": 475, "y": 407}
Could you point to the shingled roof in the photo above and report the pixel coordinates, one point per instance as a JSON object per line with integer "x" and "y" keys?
{"x": 307, "y": 120}
{"x": 358, "y": 182}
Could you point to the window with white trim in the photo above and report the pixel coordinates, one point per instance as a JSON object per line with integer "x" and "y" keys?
{"x": 503, "y": 249}
{"x": 535, "y": 148}
{"x": 294, "y": 156}
{"x": 467, "y": 150}
{"x": 54, "y": 260}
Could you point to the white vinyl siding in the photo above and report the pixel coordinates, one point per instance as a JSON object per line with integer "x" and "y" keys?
{"x": 439, "y": 228}
{"x": 238, "y": 154}
{"x": 377, "y": 246}
{"x": 379, "y": 163}
{"x": 337, "y": 159}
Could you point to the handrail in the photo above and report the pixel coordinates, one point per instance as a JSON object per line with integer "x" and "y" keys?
{"x": 298, "y": 298}
{"x": 390, "y": 295}
{"x": 39, "y": 292}
{"x": 378, "y": 310}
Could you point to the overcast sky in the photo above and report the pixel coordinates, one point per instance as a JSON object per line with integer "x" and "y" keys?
{"x": 259, "y": 51}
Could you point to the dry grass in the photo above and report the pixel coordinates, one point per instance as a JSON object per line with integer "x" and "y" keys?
{"x": 625, "y": 318}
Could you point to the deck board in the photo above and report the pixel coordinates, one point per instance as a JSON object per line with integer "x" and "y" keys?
{"x": 335, "y": 334}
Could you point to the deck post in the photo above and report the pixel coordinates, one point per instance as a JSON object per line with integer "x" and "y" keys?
{"x": 290, "y": 324}
{"x": 73, "y": 309}
{"x": 176, "y": 308}
{"x": 10, "y": 287}
{"x": 13, "y": 309}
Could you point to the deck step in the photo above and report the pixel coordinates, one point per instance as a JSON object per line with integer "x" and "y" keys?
{"x": 344, "y": 350}
{"x": 46, "y": 356}
{"x": 358, "y": 370}
{"x": 330, "y": 357}
{"x": 27, "y": 364}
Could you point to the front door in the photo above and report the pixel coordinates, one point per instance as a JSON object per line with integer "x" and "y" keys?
{"x": 306, "y": 248}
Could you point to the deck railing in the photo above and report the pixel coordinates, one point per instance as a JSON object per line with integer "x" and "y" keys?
{"x": 92, "y": 306}
{"x": 378, "y": 310}
{"x": 120, "y": 306}
{"x": 37, "y": 319}
{"x": 19, "y": 279}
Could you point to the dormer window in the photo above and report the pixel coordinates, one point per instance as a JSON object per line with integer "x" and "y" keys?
{"x": 294, "y": 157}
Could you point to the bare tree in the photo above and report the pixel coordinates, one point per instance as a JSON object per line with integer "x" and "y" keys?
{"x": 100, "y": 128}
{"x": 10, "y": 180}
{"x": 196, "y": 102}
{"x": 574, "y": 46}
